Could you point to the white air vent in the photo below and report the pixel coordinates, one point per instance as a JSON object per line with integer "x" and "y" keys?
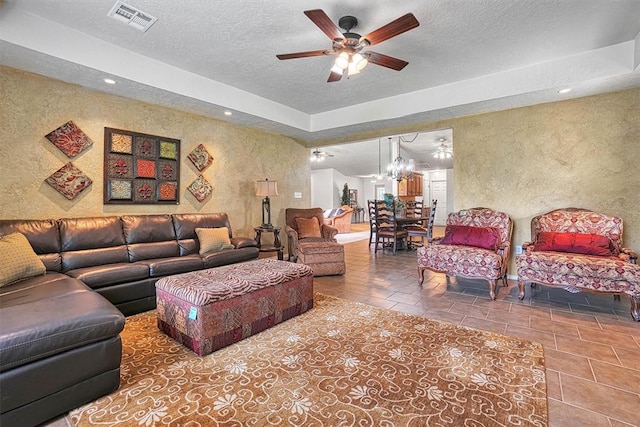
{"x": 132, "y": 16}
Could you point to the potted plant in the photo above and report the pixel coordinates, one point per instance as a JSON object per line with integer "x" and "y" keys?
{"x": 345, "y": 200}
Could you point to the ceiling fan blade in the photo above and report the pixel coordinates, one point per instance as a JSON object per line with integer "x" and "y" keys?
{"x": 404, "y": 23}
{"x": 386, "y": 61}
{"x": 334, "y": 77}
{"x": 304, "y": 54}
{"x": 324, "y": 23}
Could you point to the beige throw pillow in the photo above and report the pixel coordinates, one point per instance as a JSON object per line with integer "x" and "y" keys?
{"x": 19, "y": 261}
{"x": 213, "y": 239}
{"x": 308, "y": 227}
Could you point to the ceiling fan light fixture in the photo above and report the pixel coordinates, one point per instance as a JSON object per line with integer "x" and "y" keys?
{"x": 443, "y": 152}
{"x": 336, "y": 69}
{"x": 342, "y": 60}
{"x": 359, "y": 61}
{"x": 352, "y": 70}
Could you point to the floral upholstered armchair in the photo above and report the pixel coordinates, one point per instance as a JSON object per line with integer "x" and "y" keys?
{"x": 476, "y": 244}
{"x": 580, "y": 250}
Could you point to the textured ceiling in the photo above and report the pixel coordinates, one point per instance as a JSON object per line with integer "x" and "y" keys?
{"x": 209, "y": 56}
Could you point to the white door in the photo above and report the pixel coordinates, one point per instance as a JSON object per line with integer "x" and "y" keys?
{"x": 439, "y": 192}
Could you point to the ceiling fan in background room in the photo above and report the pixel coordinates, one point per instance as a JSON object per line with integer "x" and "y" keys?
{"x": 350, "y": 47}
{"x": 443, "y": 151}
{"x": 318, "y": 156}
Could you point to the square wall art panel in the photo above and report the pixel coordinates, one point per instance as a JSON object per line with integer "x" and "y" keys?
{"x": 200, "y": 188}
{"x": 140, "y": 168}
{"x": 200, "y": 157}
{"x": 69, "y": 181}
{"x": 70, "y": 139}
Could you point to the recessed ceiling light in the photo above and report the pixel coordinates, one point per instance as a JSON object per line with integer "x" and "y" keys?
{"x": 228, "y": 113}
{"x": 565, "y": 90}
{"x": 110, "y": 81}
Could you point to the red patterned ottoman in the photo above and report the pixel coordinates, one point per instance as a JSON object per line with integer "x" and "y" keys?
{"x": 208, "y": 309}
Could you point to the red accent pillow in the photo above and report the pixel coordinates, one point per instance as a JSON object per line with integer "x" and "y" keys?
{"x": 479, "y": 237}
{"x": 586, "y": 244}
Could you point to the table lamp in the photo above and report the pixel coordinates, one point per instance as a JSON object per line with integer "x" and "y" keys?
{"x": 265, "y": 189}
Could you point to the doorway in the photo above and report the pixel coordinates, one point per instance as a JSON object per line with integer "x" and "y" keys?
{"x": 439, "y": 192}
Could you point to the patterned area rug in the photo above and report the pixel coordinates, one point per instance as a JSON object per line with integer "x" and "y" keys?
{"x": 341, "y": 363}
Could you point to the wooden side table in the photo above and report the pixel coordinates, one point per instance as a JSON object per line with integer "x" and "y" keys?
{"x": 276, "y": 247}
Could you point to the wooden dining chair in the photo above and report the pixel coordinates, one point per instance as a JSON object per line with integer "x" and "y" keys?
{"x": 423, "y": 231}
{"x": 371, "y": 212}
{"x": 386, "y": 228}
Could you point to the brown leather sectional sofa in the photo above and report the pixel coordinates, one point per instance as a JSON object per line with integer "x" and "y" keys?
{"x": 59, "y": 332}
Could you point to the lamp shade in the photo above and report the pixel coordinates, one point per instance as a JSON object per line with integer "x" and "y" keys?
{"x": 267, "y": 188}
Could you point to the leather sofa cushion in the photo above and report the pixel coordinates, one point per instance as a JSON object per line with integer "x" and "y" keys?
{"x": 148, "y": 228}
{"x": 62, "y": 314}
{"x": 229, "y": 256}
{"x": 89, "y": 233}
{"x": 110, "y": 274}
{"x": 173, "y": 265}
{"x": 243, "y": 242}
{"x": 142, "y": 251}
{"x": 186, "y": 224}
{"x": 43, "y": 235}
{"x": 89, "y": 257}
{"x": 150, "y": 236}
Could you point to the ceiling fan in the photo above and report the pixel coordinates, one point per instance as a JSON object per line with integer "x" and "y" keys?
{"x": 443, "y": 151}
{"x": 318, "y": 156}
{"x": 350, "y": 47}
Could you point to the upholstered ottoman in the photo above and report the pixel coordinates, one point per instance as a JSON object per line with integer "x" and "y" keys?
{"x": 208, "y": 309}
{"x": 325, "y": 258}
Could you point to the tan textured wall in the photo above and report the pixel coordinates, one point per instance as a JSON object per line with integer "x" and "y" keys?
{"x": 583, "y": 153}
{"x": 576, "y": 153}
{"x": 31, "y": 106}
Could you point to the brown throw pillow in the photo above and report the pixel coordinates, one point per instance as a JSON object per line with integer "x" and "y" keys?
{"x": 19, "y": 261}
{"x": 308, "y": 227}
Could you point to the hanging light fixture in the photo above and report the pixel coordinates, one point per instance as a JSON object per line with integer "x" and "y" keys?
{"x": 378, "y": 177}
{"x": 443, "y": 152}
{"x": 352, "y": 63}
{"x": 400, "y": 168}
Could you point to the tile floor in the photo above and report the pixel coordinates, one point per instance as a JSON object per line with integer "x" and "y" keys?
{"x": 591, "y": 344}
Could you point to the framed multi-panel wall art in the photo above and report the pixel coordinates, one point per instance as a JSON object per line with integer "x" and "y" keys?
{"x": 140, "y": 168}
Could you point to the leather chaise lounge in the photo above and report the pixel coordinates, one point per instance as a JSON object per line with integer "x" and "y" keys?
{"x": 59, "y": 332}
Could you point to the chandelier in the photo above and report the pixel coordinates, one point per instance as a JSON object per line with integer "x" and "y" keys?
{"x": 443, "y": 152}
{"x": 400, "y": 168}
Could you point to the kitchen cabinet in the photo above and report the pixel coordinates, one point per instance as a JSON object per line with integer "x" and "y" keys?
{"x": 411, "y": 187}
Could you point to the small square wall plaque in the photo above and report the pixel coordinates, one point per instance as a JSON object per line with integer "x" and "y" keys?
{"x": 69, "y": 139}
{"x": 200, "y": 157}
{"x": 69, "y": 181}
{"x": 200, "y": 188}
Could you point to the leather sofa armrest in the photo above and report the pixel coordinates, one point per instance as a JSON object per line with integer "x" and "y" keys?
{"x": 243, "y": 242}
